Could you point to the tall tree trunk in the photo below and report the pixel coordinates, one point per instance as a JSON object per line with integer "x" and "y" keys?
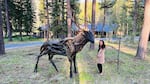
{"x": 85, "y": 14}
{"x": 47, "y": 17}
{"x": 142, "y": 46}
{"x": 5, "y": 30}
{"x": 20, "y": 34}
{"x": 20, "y": 30}
{"x": 134, "y": 20}
{"x": 104, "y": 20}
{"x": 63, "y": 12}
{"x": 93, "y": 21}
{"x": 2, "y": 48}
{"x": 69, "y": 16}
{"x": 26, "y": 33}
{"x": 63, "y": 15}
{"x": 7, "y": 22}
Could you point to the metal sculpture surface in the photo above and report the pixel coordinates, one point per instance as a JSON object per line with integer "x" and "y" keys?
{"x": 67, "y": 47}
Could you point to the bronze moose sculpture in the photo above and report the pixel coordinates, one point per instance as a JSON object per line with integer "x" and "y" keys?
{"x": 67, "y": 47}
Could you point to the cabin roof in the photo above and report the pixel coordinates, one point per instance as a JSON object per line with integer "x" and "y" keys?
{"x": 107, "y": 27}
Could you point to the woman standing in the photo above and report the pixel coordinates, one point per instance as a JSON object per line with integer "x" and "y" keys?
{"x": 101, "y": 56}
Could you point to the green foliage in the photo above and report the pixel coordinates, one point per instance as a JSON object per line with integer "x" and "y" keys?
{"x": 128, "y": 14}
{"x": 58, "y": 24}
{"x": 41, "y": 9}
{"x": 58, "y": 15}
{"x": 107, "y": 3}
{"x": 75, "y": 8}
{"x": 28, "y": 17}
{"x": 25, "y": 39}
{"x": 123, "y": 13}
{"x": 20, "y": 15}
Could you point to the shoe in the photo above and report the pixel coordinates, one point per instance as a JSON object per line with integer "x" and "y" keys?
{"x": 101, "y": 74}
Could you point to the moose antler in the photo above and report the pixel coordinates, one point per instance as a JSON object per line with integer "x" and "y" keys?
{"x": 80, "y": 27}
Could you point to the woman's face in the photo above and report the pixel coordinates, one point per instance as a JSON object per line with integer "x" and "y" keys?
{"x": 101, "y": 43}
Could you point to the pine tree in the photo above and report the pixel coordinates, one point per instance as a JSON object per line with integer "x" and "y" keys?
{"x": 58, "y": 13}
{"x": 9, "y": 29}
{"x": 2, "y": 48}
{"x": 105, "y": 5}
{"x": 20, "y": 16}
{"x": 28, "y": 19}
{"x": 142, "y": 46}
{"x": 93, "y": 20}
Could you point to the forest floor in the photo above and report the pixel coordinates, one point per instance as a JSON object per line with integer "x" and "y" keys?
{"x": 17, "y": 65}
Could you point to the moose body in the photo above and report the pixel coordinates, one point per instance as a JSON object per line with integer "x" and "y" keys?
{"x": 67, "y": 47}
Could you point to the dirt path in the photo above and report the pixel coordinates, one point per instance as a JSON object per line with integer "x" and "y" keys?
{"x": 127, "y": 50}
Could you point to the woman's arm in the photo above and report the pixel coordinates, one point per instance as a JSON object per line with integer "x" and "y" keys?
{"x": 101, "y": 52}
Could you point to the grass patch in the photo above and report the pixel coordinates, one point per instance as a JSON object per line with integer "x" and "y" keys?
{"x": 16, "y": 67}
{"x": 16, "y": 39}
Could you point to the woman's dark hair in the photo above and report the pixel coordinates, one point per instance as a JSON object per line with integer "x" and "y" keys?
{"x": 101, "y": 47}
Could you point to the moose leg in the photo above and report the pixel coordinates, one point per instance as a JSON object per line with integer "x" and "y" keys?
{"x": 50, "y": 59}
{"x": 70, "y": 60}
{"x": 38, "y": 57}
{"x": 36, "y": 66}
{"x": 74, "y": 60}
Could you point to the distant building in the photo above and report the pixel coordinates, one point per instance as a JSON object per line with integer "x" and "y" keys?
{"x": 108, "y": 28}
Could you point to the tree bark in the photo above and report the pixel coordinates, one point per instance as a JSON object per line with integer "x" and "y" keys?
{"x": 69, "y": 16}
{"x": 46, "y": 35}
{"x": 143, "y": 42}
{"x": 20, "y": 30}
{"x": 135, "y": 19}
{"x": 63, "y": 12}
{"x": 85, "y": 14}
{"x": 2, "y": 48}
{"x": 104, "y": 18}
{"x": 9, "y": 32}
{"x": 93, "y": 21}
